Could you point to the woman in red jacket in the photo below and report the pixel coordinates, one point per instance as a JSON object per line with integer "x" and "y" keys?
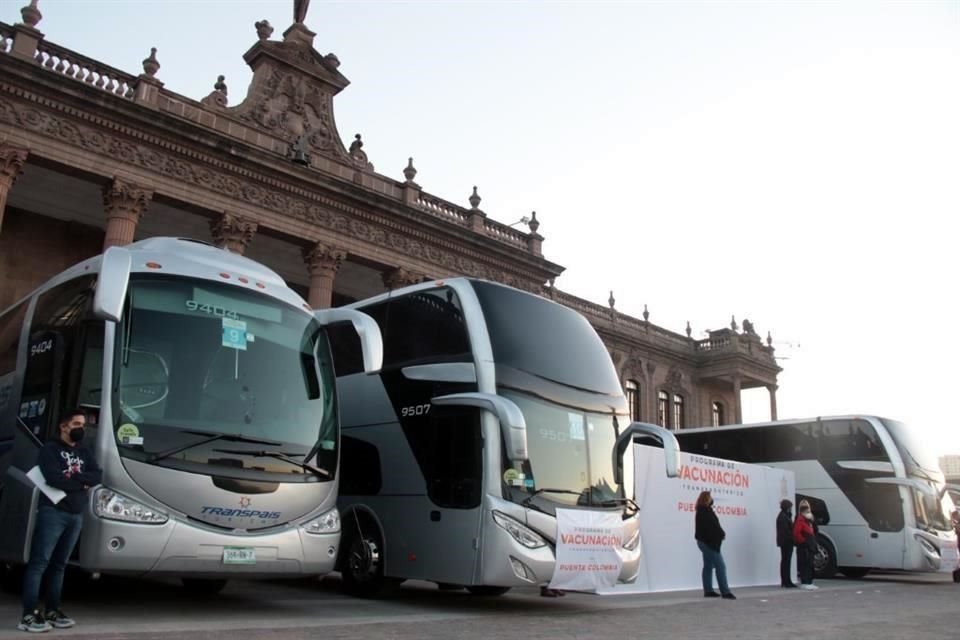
{"x": 805, "y": 537}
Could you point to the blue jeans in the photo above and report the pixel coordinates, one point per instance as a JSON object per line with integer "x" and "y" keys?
{"x": 54, "y": 537}
{"x": 713, "y": 560}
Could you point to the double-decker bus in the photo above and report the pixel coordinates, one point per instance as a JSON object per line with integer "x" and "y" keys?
{"x": 874, "y": 487}
{"x": 213, "y": 411}
{"x": 493, "y": 409}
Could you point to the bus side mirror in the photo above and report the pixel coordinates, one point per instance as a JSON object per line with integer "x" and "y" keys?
{"x": 639, "y": 431}
{"x": 371, "y": 342}
{"x": 111, "y": 291}
{"x": 513, "y": 426}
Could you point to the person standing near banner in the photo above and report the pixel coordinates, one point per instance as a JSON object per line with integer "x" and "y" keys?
{"x": 785, "y": 542}
{"x": 709, "y": 535}
{"x": 805, "y": 537}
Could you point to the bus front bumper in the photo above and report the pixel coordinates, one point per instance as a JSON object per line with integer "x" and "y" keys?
{"x": 184, "y": 549}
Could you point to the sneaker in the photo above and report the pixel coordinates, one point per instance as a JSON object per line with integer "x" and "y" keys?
{"x": 711, "y": 594}
{"x": 34, "y": 623}
{"x": 59, "y": 619}
{"x": 729, "y": 596}
{"x": 808, "y": 587}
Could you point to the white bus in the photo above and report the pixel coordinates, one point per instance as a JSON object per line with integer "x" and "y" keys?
{"x": 875, "y": 489}
{"x": 494, "y": 408}
{"x": 213, "y": 413}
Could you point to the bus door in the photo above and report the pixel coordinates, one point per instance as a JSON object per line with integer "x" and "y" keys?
{"x": 441, "y": 534}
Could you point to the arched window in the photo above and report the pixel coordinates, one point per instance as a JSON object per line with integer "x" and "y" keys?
{"x": 663, "y": 409}
{"x": 718, "y": 417}
{"x": 678, "y": 417}
{"x": 633, "y": 400}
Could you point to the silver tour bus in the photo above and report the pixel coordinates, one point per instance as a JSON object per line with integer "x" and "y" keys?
{"x": 493, "y": 409}
{"x": 213, "y": 413}
{"x": 873, "y": 484}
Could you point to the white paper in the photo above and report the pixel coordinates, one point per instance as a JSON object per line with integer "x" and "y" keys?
{"x": 36, "y": 476}
{"x": 589, "y": 545}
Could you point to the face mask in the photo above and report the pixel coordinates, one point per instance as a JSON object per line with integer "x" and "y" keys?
{"x": 76, "y": 434}
{"x": 808, "y": 515}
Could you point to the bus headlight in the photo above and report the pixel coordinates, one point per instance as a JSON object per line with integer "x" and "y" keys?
{"x": 113, "y": 506}
{"x": 520, "y": 532}
{"x": 327, "y": 523}
{"x": 634, "y": 540}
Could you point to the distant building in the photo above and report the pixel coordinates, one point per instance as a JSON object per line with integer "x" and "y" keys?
{"x": 950, "y": 465}
{"x": 92, "y": 156}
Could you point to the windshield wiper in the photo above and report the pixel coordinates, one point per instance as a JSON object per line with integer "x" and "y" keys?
{"x": 616, "y": 502}
{"x": 279, "y": 455}
{"x": 210, "y": 438}
{"x": 528, "y": 500}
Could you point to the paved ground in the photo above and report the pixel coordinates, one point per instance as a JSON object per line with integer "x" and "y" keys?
{"x": 918, "y": 607}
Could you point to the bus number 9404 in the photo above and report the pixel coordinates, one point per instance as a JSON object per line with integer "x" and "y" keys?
{"x": 415, "y": 410}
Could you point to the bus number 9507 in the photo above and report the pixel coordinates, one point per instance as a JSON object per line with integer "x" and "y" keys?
{"x": 415, "y": 410}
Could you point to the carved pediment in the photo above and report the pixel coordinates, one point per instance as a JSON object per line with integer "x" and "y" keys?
{"x": 291, "y": 94}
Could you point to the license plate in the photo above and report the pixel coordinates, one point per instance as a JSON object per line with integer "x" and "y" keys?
{"x": 239, "y": 555}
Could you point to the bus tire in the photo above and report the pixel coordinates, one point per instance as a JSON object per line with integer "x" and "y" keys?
{"x": 956, "y": 575}
{"x": 486, "y": 590}
{"x": 825, "y": 559}
{"x": 204, "y": 587}
{"x": 362, "y": 563}
{"x": 854, "y": 572}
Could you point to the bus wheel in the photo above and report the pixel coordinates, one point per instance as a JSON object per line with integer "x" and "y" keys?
{"x": 203, "y": 586}
{"x": 825, "y": 559}
{"x": 484, "y": 590}
{"x": 854, "y": 572}
{"x": 362, "y": 565}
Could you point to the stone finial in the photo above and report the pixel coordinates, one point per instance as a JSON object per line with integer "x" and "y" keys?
{"x": 646, "y": 314}
{"x": 475, "y": 199}
{"x": 769, "y": 339}
{"x": 748, "y": 327}
{"x": 220, "y": 85}
{"x": 611, "y": 301}
{"x": 733, "y": 323}
{"x": 30, "y": 14}
{"x": 332, "y": 61}
{"x": 534, "y": 224}
{"x": 150, "y": 63}
{"x": 410, "y": 172}
{"x": 357, "y": 145}
{"x": 689, "y": 329}
{"x": 264, "y": 29}
{"x": 217, "y": 97}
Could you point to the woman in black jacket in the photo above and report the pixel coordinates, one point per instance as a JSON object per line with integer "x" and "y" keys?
{"x": 710, "y": 535}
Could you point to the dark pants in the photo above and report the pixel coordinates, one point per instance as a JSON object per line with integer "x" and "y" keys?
{"x": 786, "y": 555}
{"x": 805, "y": 564}
{"x": 713, "y": 560}
{"x": 54, "y": 537}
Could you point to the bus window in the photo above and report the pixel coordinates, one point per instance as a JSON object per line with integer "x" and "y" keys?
{"x": 11, "y": 324}
{"x": 448, "y": 448}
{"x": 850, "y": 440}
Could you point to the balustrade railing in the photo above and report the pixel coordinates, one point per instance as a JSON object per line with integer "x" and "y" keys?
{"x": 442, "y": 209}
{"x": 504, "y": 233}
{"x": 64, "y": 62}
{"x": 6, "y": 38}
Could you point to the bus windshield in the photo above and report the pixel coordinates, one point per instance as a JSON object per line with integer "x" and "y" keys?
{"x": 913, "y": 449}
{"x": 570, "y": 454}
{"x": 214, "y": 374}
{"x": 546, "y": 339}
{"x": 933, "y": 512}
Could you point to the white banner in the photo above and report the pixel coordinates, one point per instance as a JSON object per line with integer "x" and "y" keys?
{"x": 589, "y": 544}
{"x": 746, "y": 499}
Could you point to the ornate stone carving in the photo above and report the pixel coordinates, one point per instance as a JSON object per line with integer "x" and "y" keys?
{"x": 232, "y": 232}
{"x": 123, "y": 203}
{"x": 11, "y": 165}
{"x": 264, "y": 29}
{"x": 323, "y": 259}
{"x": 210, "y": 173}
{"x": 358, "y": 155}
{"x": 674, "y": 380}
{"x": 290, "y": 106}
{"x": 400, "y": 277}
{"x": 300, "y": 10}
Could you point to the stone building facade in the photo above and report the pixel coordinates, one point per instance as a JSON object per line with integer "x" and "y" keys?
{"x": 92, "y": 156}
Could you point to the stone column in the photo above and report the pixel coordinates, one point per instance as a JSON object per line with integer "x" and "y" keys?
{"x": 232, "y": 232}
{"x": 11, "y": 166}
{"x": 399, "y": 277}
{"x": 737, "y": 408}
{"x": 323, "y": 262}
{"x": 124, "y": 202}
{"x": 772, "y": 388}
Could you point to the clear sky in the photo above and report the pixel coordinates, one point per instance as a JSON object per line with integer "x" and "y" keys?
{"x": 793, "y": 163}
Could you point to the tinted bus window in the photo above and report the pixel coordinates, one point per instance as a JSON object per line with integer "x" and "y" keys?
{"x": 541, "y": 337}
